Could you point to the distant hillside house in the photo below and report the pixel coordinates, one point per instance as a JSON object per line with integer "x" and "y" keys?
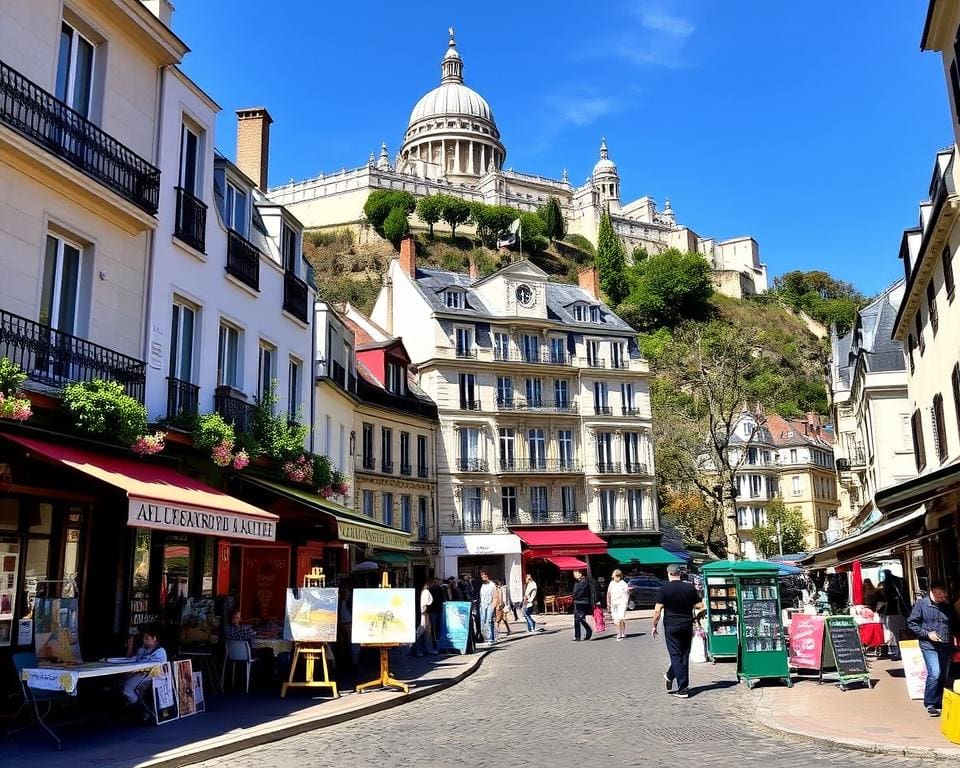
{"x": 452, "y": 146}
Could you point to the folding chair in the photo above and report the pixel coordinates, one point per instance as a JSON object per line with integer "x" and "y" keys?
{"x": 33, "y": 700}
{"x": 238, "y": 652}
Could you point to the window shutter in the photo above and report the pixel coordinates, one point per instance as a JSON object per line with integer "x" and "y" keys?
{"x": 918, "y": 451}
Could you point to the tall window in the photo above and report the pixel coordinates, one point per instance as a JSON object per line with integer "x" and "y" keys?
{"x": 464, "y": 338}
{"x": 561, "y": 393}
{"x": 939, "y": 428}
{"x": 294, "y": 374}
{"x": 531, "y": 348}
{"x": 507, "y": 440}
{"x": 396, "y": 378}
{"x": 537, "y": 449}
{"x": 367, "y": 446}
{"x": 423, "y": 468}
{"x": 594, "y": 314}
{"x": 405, "y": 453}
{"x": 796, "y": 485}
{"x": 601, "y": 400}
{"x": 608, "y": 508}
{"x": 60, "y": 292}
{"x": 918, "y": 327}
{"x": 955, "y": 383}
{"x": 635, "y": 509}
{"x": 368, "y": 503}
{"x": 508, "y": 503}
{"x": 468, "y": 392}
{"x": 182, "y": 324}
{"x": 605, "y": 451}
{"x": 568, "y": 501}
{"x": 266, "y": 369}
{"x": 386, "y": 449}
{"x": 534, "y": 393}
{"x": 235, "y": 209}
{"x": 504, "y": 391}
{"x": 632, "y": 450}
{"x": 75, "y": 70}
{"x": 593, "y": 354}
{"x": 946, "y": 259}
{"x": 472, "y": 507}
{"x": 453, "y": 299}
{"x": 289, "y": 248}
{"x": 911, "y": 345}
{"x": 388, "y": 509}
{"x": 565, "y": 448}
{"x": 406, "y": 514}
{"x": 423, "y": 525}
{"x": 228, "y": 356}
{"x": 501, "y": 346}
{"x": 618, "y": 354}
{"x": 919, "y": 454}
{"x": 558, "y": 350}
{"x": 627, "y": 398}
{"x": 189, "y": 160}
{"x": 932, "y": 306}
{"x": 538, "y": 503}
{"x": 470, "y": 448}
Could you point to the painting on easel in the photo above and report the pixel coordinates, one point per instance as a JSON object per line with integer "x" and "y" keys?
{"x": 384, "y": 616}
{"x": 311, "y": 616}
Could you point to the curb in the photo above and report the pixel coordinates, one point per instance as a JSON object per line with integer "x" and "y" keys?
{"x": 186, "y": 756}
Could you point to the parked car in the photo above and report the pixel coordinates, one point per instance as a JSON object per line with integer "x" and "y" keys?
{"x": 643, "y": 591}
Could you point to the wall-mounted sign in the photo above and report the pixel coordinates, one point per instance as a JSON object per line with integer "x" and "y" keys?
{"x": 143, "y": 513}
{"x": 367, "y": 535}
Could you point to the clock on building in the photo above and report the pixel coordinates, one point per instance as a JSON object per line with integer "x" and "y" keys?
{"x": 524, "y": 295}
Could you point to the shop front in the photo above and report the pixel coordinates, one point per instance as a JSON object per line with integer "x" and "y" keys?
{"x": 496, "y": 553}
{"x": 551, "y": 555}
{"x": 643, "y": 560}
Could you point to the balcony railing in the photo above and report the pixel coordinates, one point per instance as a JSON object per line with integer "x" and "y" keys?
{"x": 595, "y": 362}
{"x": 54, "y": 358}
{"x": 626, "y": 526}
{"x": 295, "y": 296}
{"x": 603, "y": 410}
{"x": 472, "y": 465}
{"x": 243, "y": 260}
{"x": 621, "y": 364}
{"x": 469, "y": 405}
{"x": 466, "y": 354}
{"x": 629, "y": 410}
{"x": 48, "y": 122}
{"x": 191, "y": 222}
{"x": 608, "y": 468}
{"x": 543, "y": 357}
{"x": 423, "y": 471}
{"x": 478, "y": 525}
{"x": 540, "y": 517}
{"x": 635, "y": 468}
{"x": 386, "y": 467}
{"x": 183, "y": 401}
{"x": 406, "y": 469}
{"x": 233, "y": 409}
{"x": 368, "y": 463}
{"x": 535, "y": 406}
{"x": 538, "y": 465}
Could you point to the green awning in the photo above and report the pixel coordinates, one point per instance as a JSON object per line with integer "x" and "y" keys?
{"x": 391, "y": 558}
{"x": 644, "y": 556}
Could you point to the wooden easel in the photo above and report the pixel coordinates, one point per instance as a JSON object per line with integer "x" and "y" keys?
{"x": 311, "y": 652}
{"x": 385, "y": 680}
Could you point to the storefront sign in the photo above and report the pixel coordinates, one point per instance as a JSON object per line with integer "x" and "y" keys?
{"x": 480, "y": 544}
{"x": 146, "y": 514}
{"x": 365, "y": 535}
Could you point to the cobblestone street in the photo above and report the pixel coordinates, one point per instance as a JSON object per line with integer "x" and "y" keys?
{"x": 547, "y": 701}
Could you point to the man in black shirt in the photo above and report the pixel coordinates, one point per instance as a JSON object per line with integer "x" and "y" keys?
{"x": 677, "y": 601}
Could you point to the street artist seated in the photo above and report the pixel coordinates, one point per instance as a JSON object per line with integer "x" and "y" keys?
{"x": 237, "y": 630}
{"x": 150, "y": 651}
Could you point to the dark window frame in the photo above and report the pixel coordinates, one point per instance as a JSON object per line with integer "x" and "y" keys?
{"x": 939, "y": 428}
{"x": 916, "y": 428}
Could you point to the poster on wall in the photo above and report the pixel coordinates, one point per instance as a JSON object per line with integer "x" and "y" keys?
{"x": 384, "y": 616}
{"x": 183, "y": 679}
{"x": 199, "y": 622}
{"x": 263, "y": 584}
{"x": 55, "y": 629}
{"x": 312, "y": 616}
{"x": 164, "y": 695}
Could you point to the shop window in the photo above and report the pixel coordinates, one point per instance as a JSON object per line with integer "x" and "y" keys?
{"x": 41, "y": 518}
{"x": 9, "y": 514}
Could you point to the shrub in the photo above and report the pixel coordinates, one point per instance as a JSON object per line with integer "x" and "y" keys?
{"x": 270, "y": 432}
{"x": 381, "y": 203}
{"x": 102, "y": 408}
{"x": 553, "y": 219}
{"x": 396, "y": 227}
{"x": 211, "y": 430}
{"x": 12, "y": 377}
{"x": 579, "y": 241}
{"x": 429, "y": 209}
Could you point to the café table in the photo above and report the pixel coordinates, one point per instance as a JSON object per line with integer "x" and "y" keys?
{"x": 64, "y": 678}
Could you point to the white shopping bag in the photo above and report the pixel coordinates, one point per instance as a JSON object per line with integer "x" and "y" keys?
{"x": 698, "y": 648}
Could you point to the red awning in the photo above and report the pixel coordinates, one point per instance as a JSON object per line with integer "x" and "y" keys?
{"x": 558, "y": 543}
{"x": 162, "y": 498}
{"x": 566, "y": 563}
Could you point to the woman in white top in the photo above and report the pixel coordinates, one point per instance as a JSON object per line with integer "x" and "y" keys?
{"x": 618, "y": 594}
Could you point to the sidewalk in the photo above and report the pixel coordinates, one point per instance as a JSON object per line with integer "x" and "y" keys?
{"x": 239, "y": 721}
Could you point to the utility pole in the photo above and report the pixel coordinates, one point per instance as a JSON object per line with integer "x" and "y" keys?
{"x": 780, "y": 538}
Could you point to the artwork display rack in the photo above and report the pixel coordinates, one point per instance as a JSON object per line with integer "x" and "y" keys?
{"x": 311, "y": 653}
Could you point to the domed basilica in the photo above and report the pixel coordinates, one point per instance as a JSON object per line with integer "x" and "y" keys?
{"x": 452, "y": 146}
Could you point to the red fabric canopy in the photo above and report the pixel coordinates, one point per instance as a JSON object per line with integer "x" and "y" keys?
{"x": 558, "y": 543}
{"x": 566, "y": 563}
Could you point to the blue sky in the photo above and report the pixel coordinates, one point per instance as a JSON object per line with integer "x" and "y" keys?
{"x": 811, "y": 126}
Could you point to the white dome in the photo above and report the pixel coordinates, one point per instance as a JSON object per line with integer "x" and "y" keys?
{"x": 451, "y": 99}
{"x": 605, "y": 166}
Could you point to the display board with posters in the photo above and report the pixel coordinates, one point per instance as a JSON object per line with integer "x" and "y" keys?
{"x": 183, "y": 680}
{"x": 164, "y": 695}
{"x": 311, "y": 615}
{"x": 384, "y": 616}
{"x": 9, "y": 557}
{"x": 806, "y": 641}
{"x": 454, "y": 626}
{"x": 56, "y": 637}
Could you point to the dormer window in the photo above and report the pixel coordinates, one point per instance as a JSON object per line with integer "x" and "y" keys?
{"x": 580, "y": 312}
{"x": 289, "y": 248}
{"x": 235, "y": 210}
{"x": 594, "y": 314}
{"x": 453, "y": 299}
{"x": 396, "y": 378}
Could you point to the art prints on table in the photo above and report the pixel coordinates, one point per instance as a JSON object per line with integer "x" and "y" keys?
{"x": 55, "y": 629}
{"x": 311, "y": 617}
{"x": 183, "y": 679}
{"x": 384, "y": 616}
{"x": 164, "y": 695}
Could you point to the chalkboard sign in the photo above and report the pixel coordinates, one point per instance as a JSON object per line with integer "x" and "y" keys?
{"x": 846, "y": 646}
{"x": 760, "y": 609}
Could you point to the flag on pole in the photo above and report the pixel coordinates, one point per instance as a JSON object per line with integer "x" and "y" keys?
{"x": 508, "y": 238}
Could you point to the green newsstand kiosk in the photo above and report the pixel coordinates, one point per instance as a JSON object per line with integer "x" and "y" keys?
{"x": 762, "y": 652}
{"x": 720, "y": 596}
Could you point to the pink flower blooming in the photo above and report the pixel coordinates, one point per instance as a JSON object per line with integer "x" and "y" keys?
{"x": 326, "y": 491}
{"x": 222, "y": 454}
{"x": 299, "y": 471}
{"x": 148, "y": 445}
{"x": 342, "y": 488}
{"x": 21, "y": 410}
{"x": 241, "y": 459}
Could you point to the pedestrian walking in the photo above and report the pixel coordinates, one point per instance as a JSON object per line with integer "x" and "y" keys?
{"x": 935, "y": 623}
{"x": 677, "y": 601}
{"x": 424, "y": 631}
{"x": 488, "y": 593}
{"x": 471, "y": 592}
{"x": 618, "y": 595}
{"x": 530, "y": 603}
{"x": 500, "y": 604}
{"x": 584, "y": 598}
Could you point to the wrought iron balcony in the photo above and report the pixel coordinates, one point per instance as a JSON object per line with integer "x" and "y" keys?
{"x": 603, "y": 410}
{"x": 535, "y": 406}
{"x": 53, "y": 358}
{"x": 368, "y": 463}
{"x": 423, "y": 471}
{"x": 234, "y": 410}
{"x": 243, "y": 260}
{"x": 466, "y": 354}
{"x": 49, "y": 123}
{"x": 621, "y": 364}
{"x": 627, "y": 526}
{"x": 183, "y": 401}
{"x": 542, "y": 357}
{"x": 386, "y": 467}
{"x": 543, "y": 517}
{"x": 609, "y": 468}
{"x": 472, "y": 465}
{"x": 295, "y": 296}
{"x": 469, "y": 405}
{"x": 595, "y": 362}
{"x": 635, "y": 468}
{"x": 538, "y": 465}
{"x": 629, "y": 410}
{"x": 191, "y": 222}
{"x": 476, "y": 525}
{"x": 406, "y": 469}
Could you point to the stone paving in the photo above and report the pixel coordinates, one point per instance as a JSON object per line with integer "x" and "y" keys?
{"x": 548, "y": 701}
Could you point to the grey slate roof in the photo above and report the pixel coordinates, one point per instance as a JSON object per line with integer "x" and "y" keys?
{"x": 872, "y": 337}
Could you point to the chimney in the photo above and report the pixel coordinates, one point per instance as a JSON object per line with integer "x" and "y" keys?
{"x": 253, "y": 143}
{"x": 408, "y": 256}
{"x": 162, "y": 9}
{"x": 474, "y": 271}
{"x": 590, "y": 282}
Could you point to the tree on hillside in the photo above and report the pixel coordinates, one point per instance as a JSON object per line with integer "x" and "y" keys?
{"x": 824, "y": 298}
{"x": 381, "y": 202}
{"x": 454, "y": 211}
{"x": 792, "y": 534}
{"x": 553, "y": 219}
{"x": 698, "y": 392}
{"x": 491, "y": 220}
{"x": 533, "y": 231}
{"x": 430, "y": 210}
{"x": 639, "y": 254}
{"x": 396, "y": 227}
{"x": 611, "y": 262}
{"x": 668, "y": 288}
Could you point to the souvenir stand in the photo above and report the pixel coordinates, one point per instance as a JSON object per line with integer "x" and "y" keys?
{"x": 720, "y": 597}
{"x": 762, "y": 653}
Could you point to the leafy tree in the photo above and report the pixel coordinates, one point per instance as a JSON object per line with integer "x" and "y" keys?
{"x": 533, "y": 230}
{"x": 579, "y": 241}
{"x": 382, "y": 201}
{"x": 454, "y": 211}
{"x": 553, "y": 219}
{"x": 691, "y": 515}
{"x": 396, "y": 227}
{"x": 793, "y": 530}
{"x": 670, "y": 287}
{"x": 611, "y": 262}
{"x": 639, "y": 254}
{"x": 491, "y": 220}
{"x": 824, "y": 298}
{"x": 430, "y": 210}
